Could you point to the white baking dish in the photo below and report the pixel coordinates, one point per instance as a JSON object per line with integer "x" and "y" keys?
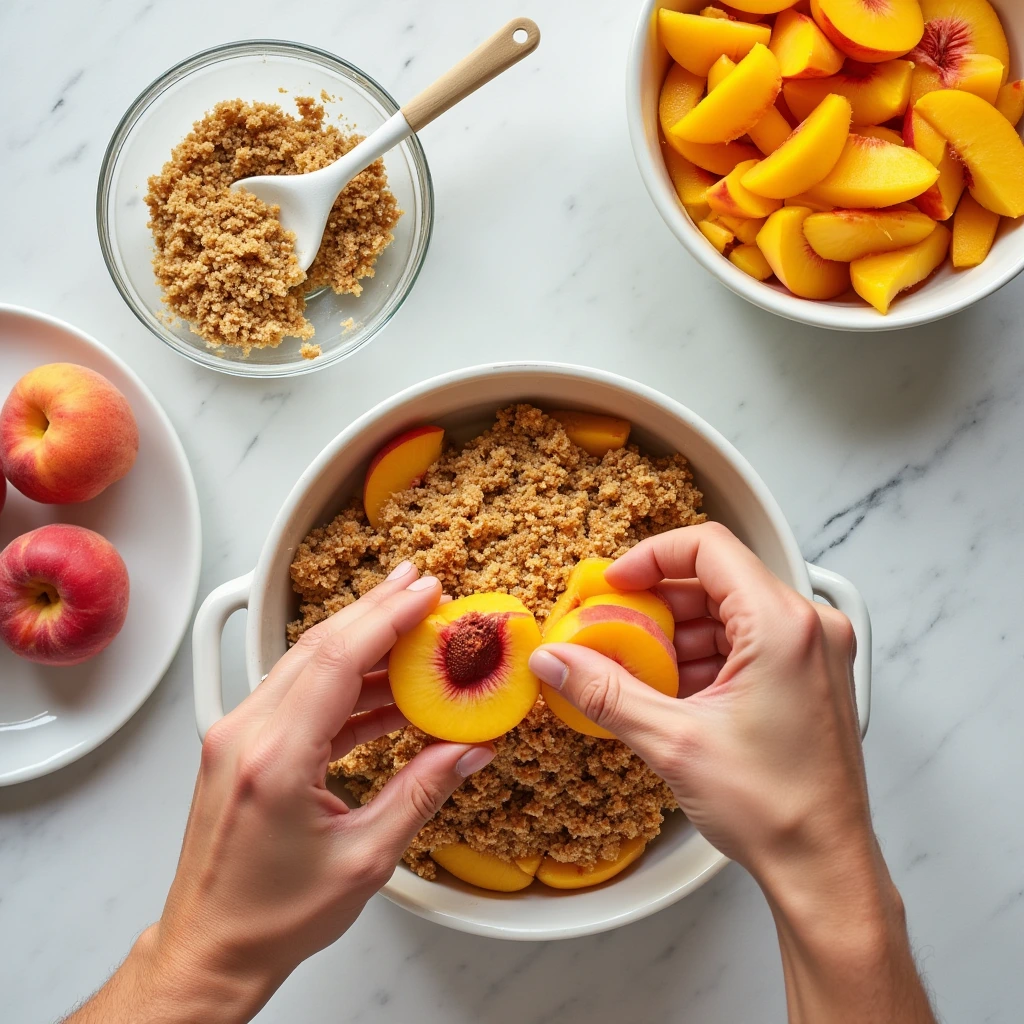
{"x": 464, "y": 402}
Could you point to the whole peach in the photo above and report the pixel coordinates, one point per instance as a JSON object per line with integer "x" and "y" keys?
{"x": 66, "y": 433}
{"x": 3, "y": 491}
{"x": 63, "y": 594}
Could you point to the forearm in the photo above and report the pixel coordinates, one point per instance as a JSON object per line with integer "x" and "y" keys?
{"x": 846, "y": 954}
{"x": 153, "y": 986}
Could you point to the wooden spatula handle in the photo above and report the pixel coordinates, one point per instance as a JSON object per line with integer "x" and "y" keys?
{"x": 488, "y": 60}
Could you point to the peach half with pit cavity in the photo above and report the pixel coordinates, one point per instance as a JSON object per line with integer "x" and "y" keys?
{"x": 626, "y": 636}
{"x": 463, "y": 673}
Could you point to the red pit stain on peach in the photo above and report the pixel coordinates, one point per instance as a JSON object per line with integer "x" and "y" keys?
{"x": 472, "y": 648}
{"x": 946, "y": 41}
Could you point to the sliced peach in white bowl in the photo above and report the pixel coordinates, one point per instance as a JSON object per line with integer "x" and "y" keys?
{"x": 900, "y": 61}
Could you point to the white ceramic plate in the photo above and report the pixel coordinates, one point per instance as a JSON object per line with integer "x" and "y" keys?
{"x": 50, "y": 717}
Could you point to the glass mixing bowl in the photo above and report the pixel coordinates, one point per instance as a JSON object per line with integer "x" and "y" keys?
{"x": 258, "y": 69}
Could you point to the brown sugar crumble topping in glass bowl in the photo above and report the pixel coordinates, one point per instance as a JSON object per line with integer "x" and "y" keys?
{"x": 512, "y": 510}
{"x": 225, "y": 263}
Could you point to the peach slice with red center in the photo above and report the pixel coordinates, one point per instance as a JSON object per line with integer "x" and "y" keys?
{"x": 559, "y": 875}
{"x": 399, "y": 465}
{"x": 733, "y": 199}
{"x": 1010, "y": 101}
{"x": 986, "y": 143}
{"x": 939, "y": 200}
{"x": 794, "y": 262}
{"x": 463, "y": 673}
{"x": 696, "y": 42}
{"x": 870, "y": 30}
{"x": 955, "y": 29}
{"x": 594, "y": 433}
{"x": 802, "y": 49}
{"x": 738, "y": 103}
{"x": 872, "y": 173}
{"x": 974, "y": 231}
{"x": 680, "y": 93}
{"x": 751, "y": 261}
{"x": 877, "y": 92}
{"x": 626, "y": 636}
{"x": 809, "y": 153}
{"x": 881, "y": 277}
{"x": 485, "y": 869}
{"x": 846, "y": 235}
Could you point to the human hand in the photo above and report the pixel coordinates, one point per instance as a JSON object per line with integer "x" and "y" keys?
{"x": 274, "y": 866}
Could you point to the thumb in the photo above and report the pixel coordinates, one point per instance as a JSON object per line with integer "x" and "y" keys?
{"x": 609, "y": 696}
{"x": 417, "y": 792}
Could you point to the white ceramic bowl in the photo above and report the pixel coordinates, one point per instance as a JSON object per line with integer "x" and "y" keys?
{"x": 947, "y": 292}
{"x": 464, "y": 402}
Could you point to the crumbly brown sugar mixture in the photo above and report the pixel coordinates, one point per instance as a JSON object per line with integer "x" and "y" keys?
{"x": 513, "y": 510}
{"x": 222, "y": 258}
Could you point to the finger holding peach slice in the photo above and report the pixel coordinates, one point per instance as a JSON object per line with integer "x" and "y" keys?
{"x": 463, "y": 673}
{"x": 626, "y": 636}
{"x": 399, "y": 465}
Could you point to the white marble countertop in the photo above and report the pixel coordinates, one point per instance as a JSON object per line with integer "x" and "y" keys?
{"x": 896, "y": 457}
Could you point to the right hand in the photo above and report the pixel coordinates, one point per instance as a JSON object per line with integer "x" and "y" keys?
{"x": 763, "y": 754}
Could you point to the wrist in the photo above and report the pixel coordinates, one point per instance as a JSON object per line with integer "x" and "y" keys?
{"x": 181, "y": 984}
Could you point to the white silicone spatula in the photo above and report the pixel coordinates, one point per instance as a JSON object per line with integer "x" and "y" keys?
{"x": 306, "y": 199}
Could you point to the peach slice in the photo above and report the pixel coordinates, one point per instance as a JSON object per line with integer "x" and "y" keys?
{"x": 697, "y": 42}
{"x": 586, "y": 579}
{"x": 1010, "y": 101}
{"x": 985, "y": 141}
{"x": 870, "y": 30}
{"x": 809, "y": 153}
{"x": 719, "y": 71}
{"x": 751, "y": 261}
{"x": 698, "y": 211}
{"x": 680, "y": 93}
{"x": 802, "y": 49}
{"x": 877, "y": 92}
{"x": 462, "y": 674}
{"x": 876, "y": 131}
{"x": 571, "y": 876}
{"x": 794, "y": 262}
{"x": 847, "y": 235}
{"x": 939, "y": 200}
{"x": 737, "y": 104}
{"x": 646, "y": 602}
{"x": 808, "y": 201}
{"x": 771, "y": 131}
{"x": 954, "y": 29}
{"x": 880, "y": 278}
{"x": 399, "y": 465}
{"x": 632, "y": 639}
{"x": 595, "y": 434}
{"x": 718, "y": 235}
{"x": 689, "y": 180}
{"x": 744, "y": 228}
{"x": 715, "y": 12}
{"x": 482, "y": 869}
{"x": 732, "y": 198}
{"x": 761, "y": 6}
{"x": 982, "y": 75}
{"x": 974, "y": 231}
{"x": 873, "y": 173}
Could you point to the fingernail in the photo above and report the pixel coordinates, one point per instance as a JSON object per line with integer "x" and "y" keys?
{"x": 400, "y": 570}
{"x": 423, "y": 583}
{"x": 546, "y": 667}
{"x": 473, "y": 760}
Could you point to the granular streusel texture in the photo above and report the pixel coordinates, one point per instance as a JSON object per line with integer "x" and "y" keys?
{"x": 225, "y": 263}
{"x": 513, "y": 510}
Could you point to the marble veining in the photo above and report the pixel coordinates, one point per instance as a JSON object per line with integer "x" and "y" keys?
{"x": 895, "y": 457}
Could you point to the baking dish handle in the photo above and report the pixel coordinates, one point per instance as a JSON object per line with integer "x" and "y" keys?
{"x": 211, "y": 619}
{"x": 842, "y": 594}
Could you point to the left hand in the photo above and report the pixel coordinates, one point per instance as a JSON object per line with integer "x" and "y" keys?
{"x": 273, "y": 866}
